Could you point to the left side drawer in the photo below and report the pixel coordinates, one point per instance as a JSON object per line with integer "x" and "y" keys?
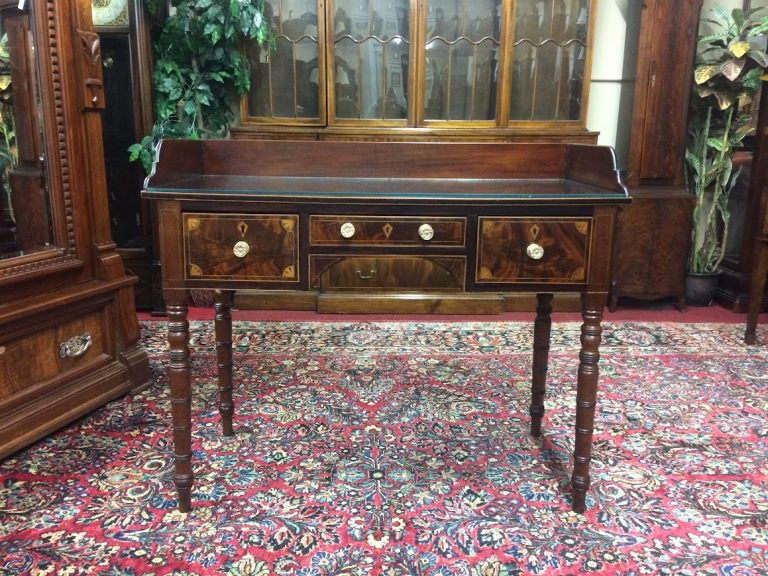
{"x": 253, "y": 247}
{"x": 55, "y": 351}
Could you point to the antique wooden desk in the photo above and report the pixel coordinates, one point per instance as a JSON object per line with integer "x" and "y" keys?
{"x": 355, "y": 217}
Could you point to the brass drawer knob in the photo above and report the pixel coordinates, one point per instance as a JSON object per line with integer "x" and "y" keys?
{"x": 75, "y": 346}
{"x": 426, "y": 232}
{"x": 347, "y": 230}
{"x": 535, "y": 251}
{"x": 241, "y": 249}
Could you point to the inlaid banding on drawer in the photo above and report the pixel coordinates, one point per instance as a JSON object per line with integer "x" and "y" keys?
{"x": 534, "y": 250}
{"x": 386, "y": 231}
{"x": 253, "y": 247}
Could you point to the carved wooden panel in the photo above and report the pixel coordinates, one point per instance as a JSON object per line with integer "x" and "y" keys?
{"x": 533, "y": 250}
{"x": 386, "y": 231}
{"x": 427, "y": 273}
{"x": 261, "y": 247}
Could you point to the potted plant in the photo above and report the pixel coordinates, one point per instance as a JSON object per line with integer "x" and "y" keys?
{"x": 199, "y": 68}
{"x": 730, "y": 69}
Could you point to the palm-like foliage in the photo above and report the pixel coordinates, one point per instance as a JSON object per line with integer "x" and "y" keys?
{"x": 729, "y": 73}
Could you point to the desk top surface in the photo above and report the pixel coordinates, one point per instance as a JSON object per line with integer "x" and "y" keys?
{"x": 343, "y": 172}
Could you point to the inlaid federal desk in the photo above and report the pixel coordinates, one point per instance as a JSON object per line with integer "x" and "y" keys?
{"x": 365, "y": 217}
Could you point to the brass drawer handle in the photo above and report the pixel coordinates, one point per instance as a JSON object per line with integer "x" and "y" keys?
{"x": 347, "y": 230}
{"x": 535, "y": 251}
{"x": 426, "y": 232}
{"x": 365, "y": 276}
{"x": 75, "y": 346}
{"x": 241, "y": 248}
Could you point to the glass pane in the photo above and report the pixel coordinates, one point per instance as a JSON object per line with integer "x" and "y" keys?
{"x": 549, "y": 59}
{"x": 371, "y": 48}
{"x": 462, "y": 54}
{"x": 25, "y": 212}
{"x": 284, "y": 81}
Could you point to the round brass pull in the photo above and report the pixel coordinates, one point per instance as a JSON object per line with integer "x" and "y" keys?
{"x": 426, "y": 232}
{"x": 347, "y": 230}
{"x": 240, "y": 249}
{"x": 535, "y": 251}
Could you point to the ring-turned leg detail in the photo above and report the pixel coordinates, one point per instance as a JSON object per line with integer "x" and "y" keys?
{"x": 179, "y": 375}
{"x": 586, "y": 398}
{"x": 223, "y": 324}
{"x": 541, "y": 336}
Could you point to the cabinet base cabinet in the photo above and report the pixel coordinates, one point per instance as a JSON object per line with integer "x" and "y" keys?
{"x": 58, "y": 364}
{"x": 651, "y": 246}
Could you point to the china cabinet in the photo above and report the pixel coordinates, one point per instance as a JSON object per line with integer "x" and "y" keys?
{"x": 433, "y": 69}
{"x": 68, "y": 328}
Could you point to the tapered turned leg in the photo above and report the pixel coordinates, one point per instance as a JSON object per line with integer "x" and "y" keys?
{"x": 759, "y": 273}
{"x": 223, "y": 322}
{"x": 541, "y": 336}
{"x": 179, "y": 375}
{"x": 586, "y": 398}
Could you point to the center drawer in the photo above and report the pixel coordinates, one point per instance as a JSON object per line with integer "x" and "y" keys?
{"x": 386, "y": 231}
{"x": 387, "y": 272}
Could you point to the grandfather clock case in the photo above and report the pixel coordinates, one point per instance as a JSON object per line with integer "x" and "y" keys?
{"x": 68, "y": 328}
{"x": 123, "y": 28}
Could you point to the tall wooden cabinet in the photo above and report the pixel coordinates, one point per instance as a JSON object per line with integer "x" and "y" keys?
{"x": 124, "y": 30}
{"x": 653, "y": 234}
{"x": 68, "y": 328}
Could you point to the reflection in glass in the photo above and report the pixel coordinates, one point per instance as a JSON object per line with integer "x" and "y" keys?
{"x": 285, "y": 81}
{"x": 549, "y": 59}
{"x": 371, "y": 51}
{"x": 25, "y": 217}
{"x": 462, "y": 56}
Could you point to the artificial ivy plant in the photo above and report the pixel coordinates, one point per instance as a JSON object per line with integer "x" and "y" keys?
{"x": 199, "y": 68}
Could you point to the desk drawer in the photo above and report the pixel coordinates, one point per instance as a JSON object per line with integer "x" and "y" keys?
{"x": 253, "y": 247}
{"x": 386, "y": 231}
{"x": 533, "y": 250}
{"x": 53, "y": 352}
{"x": 388, "y": 272}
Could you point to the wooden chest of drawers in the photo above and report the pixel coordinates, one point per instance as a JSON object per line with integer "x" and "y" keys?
{"x": 405, "y": 219}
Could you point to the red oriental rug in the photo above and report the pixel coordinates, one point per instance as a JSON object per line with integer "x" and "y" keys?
{"x": 402, "y": 448}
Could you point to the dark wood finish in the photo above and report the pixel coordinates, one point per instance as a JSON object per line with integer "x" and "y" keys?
{"x": 654, "y": 232}
{"x": 666, "y": 48}
{"x": 747, "y": 204}
{"x": 554, "y": 205}
{"x": 759, "y": 192}
{"x": 651, "y": 247}
{"x": 128, "y": 116}
{"x": 68, "y": 328}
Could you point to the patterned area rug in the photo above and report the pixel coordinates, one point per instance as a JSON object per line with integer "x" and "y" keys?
{"x": 403, "y": 449}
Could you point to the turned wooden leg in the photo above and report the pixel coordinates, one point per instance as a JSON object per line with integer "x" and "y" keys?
{"x": 759, "y": 273}
{"x": 586, "y": 398}
{"x": 179, "y": 375}
{"x": 541, "y": 336}
{"x": 223, "y": 323}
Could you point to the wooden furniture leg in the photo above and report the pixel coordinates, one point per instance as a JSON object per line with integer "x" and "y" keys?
{"x": 179, "y": 375}
{"x": 586, "y": 398}
{"x": 223, "y": 328}
{"x": 759, "y": 273}
{"x": 541, "y": 336}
